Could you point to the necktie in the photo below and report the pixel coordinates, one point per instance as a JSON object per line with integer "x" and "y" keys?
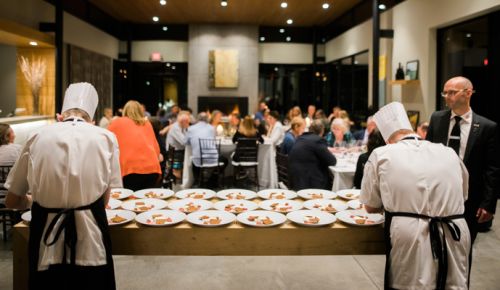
{"x": 454, "y": 141}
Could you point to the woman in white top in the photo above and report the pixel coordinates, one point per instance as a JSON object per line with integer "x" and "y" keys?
{"x": 275, "y": 132}
{"x": 9, "y": 152}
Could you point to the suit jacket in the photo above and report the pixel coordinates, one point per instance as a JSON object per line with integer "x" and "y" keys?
{"x": 359, "y": 135}
{"x": 481, "y": 158}
{"x": 308, "y": 162}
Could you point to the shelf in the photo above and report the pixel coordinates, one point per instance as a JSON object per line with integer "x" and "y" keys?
{"x": 404, "y": 82}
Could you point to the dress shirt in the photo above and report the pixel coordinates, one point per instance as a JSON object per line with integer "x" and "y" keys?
{"x": 200, "y": 130}
{"x": 465, "y": 125}
{"x": 276, "y": 133}
{"x": 176, "y": 137}
{"x": 9, "y": 153}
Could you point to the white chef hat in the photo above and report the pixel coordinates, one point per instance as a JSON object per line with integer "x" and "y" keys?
{"x": 81, "y": 96}
{"x": 391, "y": 118}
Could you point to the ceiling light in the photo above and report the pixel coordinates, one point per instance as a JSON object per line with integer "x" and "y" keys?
{"x": 282, "y": 30}
{"x": 156, "y": 18}
{"x": 33, "y": 43}
{"x": 167, "y": 64}
{"x": 284, "y": 5}
{"x": 163, "y": 2}
{"x": 289, "y": 21}
{"x": 382, "y": 6}
{"x": 173, "y": 67}
{"x": 325, "y": 6}
{"x": 468, "y": 35}
{"x": 275, "y": 68}
{"x": 288, "y": 38}
{"x": 165, "y": 28}
{"x": 262, "y": 38}
{"x": 223, "y": 3}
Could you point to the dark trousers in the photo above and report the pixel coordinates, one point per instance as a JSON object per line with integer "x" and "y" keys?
{"x": 212, "y": 181}
{"x": 141, "y": 181}
{"x": 75, "y": 277}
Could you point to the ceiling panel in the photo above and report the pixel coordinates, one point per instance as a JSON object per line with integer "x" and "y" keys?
{"x": 257, "y": 12}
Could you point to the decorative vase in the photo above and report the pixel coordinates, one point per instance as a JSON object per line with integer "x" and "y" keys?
{"x": 400, "y": 74}
{"x": 36, "y": 102}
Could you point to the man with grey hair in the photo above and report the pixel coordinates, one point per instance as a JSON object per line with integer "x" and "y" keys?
{"x": 176, "y": 138}
{"x": 363, "y": 134}
{"x": 475, "y": 140}
{"x": 201, "y": 130}
{"x": 309, "y": 159}
{"x": 69, "y": 168}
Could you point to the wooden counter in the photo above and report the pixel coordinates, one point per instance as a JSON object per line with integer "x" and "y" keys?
{"x": 233, "y": 240}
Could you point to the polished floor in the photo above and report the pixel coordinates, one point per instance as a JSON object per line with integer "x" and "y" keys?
{"x": 284, "y": 272}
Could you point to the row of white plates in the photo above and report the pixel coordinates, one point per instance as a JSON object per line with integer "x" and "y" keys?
{"x": 235, "y": 193}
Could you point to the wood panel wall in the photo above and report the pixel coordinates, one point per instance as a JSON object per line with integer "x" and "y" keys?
{"x": 24, "y": 98}
{"x": 87, "y": 66}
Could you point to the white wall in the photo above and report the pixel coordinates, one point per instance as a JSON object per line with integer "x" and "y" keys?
{"x": 415, "y": 25}
{"x": 203, "y": 38}
{"x": 286, "y": 53}
{"x": 174, "y": 51}
{"x": 82, "y": 34}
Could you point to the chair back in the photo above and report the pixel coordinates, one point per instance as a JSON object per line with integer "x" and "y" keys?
{"x": 247, "y": 150}
{"x": 4, "y": 172}
{"x": 209, "y": 151}
{"x": 282, "y": 166}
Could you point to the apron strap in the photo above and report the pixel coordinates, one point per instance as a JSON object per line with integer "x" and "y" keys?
{"x": 438, "y": 241}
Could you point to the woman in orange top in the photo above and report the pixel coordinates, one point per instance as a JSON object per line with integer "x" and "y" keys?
{"x": 139, "y": 150}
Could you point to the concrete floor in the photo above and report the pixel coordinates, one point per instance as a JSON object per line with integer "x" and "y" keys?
{"x": 272, "y": 272}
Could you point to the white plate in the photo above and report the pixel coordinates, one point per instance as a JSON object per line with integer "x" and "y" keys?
{"x": 235, "y": 206}
{"x": 189, "y": 205}
{"x": 349, "y": 193}
{"x": 354, "y": 204}
{"x": 327, "y": 205}
{"x": 311, "y": 218}
{"x": 126, "y": 215}
{"x": 160, "y": 218}
{"x": 316, "y": 194}
{"x": 144, "y": 204}
{"x": 26, "y": 216}
{"x": 235, "y": 193}
{"x": 258, "y": 216}
{"x": 350, "y": 216}
{"x": 277, "y": 194}
{"x": 196, "y": 193}
{"x": 120, "y": 193}
{"x": 205, "y": 218}
{"x": 281, "y": 205}
{"x": 161, "y": 193}
{"x": 113, "y": 203}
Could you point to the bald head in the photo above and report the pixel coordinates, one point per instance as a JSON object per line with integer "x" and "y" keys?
{"x": 457, "y": 93}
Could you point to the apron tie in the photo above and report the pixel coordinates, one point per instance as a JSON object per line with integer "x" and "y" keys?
{"x": 438, "y": 241}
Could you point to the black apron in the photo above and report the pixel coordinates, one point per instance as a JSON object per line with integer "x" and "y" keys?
{"x": 438, "y": 242}
{"x": 68, "y": 275}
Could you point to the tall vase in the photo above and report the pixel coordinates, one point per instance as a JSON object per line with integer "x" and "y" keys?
{"x": 36, "y": 101}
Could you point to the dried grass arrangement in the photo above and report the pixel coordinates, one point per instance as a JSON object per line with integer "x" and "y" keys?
{"x": 34, "y": 73}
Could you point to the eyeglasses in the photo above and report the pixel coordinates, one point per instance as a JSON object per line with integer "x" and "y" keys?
{"x": 452, "y": 92}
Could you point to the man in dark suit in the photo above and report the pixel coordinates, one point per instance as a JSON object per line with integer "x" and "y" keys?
{"x": 475, "y": 139}
{"x": 309, "y": 160}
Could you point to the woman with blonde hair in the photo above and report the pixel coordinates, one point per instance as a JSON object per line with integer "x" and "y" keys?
{"x": 247, "y": 130}
{"x": 139, "y": 149}
{"x": 339, "y": 133}
{"x": 297, "y": 127}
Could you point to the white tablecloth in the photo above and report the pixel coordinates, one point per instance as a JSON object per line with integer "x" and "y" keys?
{"x": 343, "y": 171}
{"x": 268, "y": 175}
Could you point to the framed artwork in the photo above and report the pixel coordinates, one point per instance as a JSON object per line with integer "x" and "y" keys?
{"x": 414, "y": 117}
{"x": 223, "y": 68}
{"x": 412, "y": 70}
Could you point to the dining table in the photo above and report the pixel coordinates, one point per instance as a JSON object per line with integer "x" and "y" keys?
{"x": 343, "y": 171}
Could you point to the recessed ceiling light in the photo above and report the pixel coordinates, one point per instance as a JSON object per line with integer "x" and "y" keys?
{"x": 33, "y": 43}
{"x": 468, "y": 35}
{"x": 173, "y": 67}
{"x": 156, "y": 18}
{"x": 282, "y": 30}
{"x": 325, "y": 6}
{"x": 223, "y": 3}
{"x": 262, "y": 38}
{"x": 289, "y": 21}
{"x": 288, "y": 38}
{"x": 276, "y": 68}
{"x": 284, "y": 5}
{"x": 163, "y": 2}
{"x": 382, "y": 6}
{"x": 165, "y": 28}
{"x": 168, "y": 64}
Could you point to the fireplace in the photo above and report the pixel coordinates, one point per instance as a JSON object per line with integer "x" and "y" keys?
{"x": 226, "y": 105}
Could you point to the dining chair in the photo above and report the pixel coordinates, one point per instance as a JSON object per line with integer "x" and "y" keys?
{"x": 210, "y": 163}
{"x": 245, "y": 158}
{"x": 282, "y": 167}
{"x": 8, "y": 217}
